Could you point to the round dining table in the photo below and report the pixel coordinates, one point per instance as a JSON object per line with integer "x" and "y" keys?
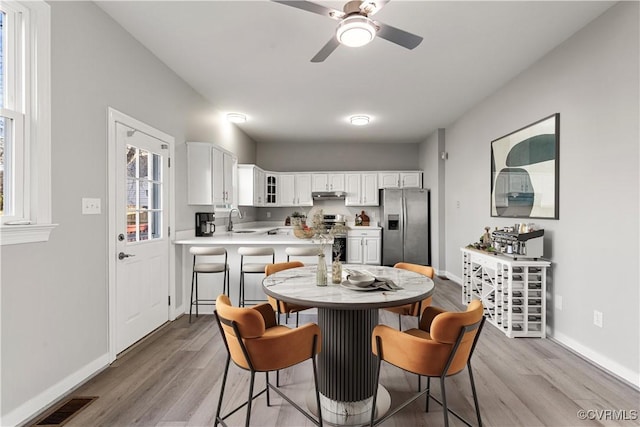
{"x": 347, "y": 315}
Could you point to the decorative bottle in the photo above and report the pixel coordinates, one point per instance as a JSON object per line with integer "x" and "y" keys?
{"x": 321, "y": 271}
{"x": 336, "y": 271}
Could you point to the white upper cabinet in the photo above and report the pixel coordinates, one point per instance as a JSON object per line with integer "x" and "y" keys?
{"x": 328, "y": 182}
{"x": 211, "y": 175}
{"x": 251, "y": 185}
{"x": 400, "y": 179}
{"x": 303, "y": 189}
{"x": 411, "y": 179}
{"x": 369, "y": 189}
{"x": 362, "y": 189}
{"x": 271, "y": 192}
{"x": 295, "y": 189}
{"x": 287, "y": 189}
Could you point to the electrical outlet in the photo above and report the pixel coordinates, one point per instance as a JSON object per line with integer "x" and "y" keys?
{"x": 458, "y": 204}
{"x": 597, "y": 318}
{"x": 91, "y": 206}
{"x": 558, "y": 302}
{"x": 268, "y": 214}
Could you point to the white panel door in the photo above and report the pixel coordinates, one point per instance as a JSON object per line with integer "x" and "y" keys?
{"x": 142, "y": 221}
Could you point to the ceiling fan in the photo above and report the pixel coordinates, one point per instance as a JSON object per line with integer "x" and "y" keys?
{"x": 355, "y": 28}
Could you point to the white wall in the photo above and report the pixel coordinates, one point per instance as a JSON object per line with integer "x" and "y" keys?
{"x": 592, "y": 81}
{"x": 433, "y": 179}
{"x": 337, "y": 157}
{"x": 54, "y": 294}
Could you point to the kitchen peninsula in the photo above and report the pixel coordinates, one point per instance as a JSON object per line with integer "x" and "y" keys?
{"x": 251, "y": 234}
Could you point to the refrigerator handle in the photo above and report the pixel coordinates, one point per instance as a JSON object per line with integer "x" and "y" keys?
{"x": 404, "y": 223}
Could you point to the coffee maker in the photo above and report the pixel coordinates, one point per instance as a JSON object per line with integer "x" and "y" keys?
{"x": 204, "y": 224}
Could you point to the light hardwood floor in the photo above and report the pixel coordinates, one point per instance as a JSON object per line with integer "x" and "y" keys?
{"x": 173, "y": 378}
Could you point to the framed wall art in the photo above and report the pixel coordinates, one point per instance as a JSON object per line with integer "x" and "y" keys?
{"x": 524, "y": 171}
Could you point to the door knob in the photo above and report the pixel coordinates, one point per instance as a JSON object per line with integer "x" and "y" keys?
{"x": 122, "y": 255}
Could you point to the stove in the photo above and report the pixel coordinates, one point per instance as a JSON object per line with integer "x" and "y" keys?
{"x": 340, "y": 239}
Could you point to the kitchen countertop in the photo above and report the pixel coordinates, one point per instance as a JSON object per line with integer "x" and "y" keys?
{"x": 255, "y": 233}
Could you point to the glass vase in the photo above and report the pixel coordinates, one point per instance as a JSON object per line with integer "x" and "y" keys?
{"x": 336, "y": 272}
{"x": 321, "y": 271}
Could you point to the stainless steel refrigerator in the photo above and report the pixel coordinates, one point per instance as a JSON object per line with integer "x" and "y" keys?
{"x": 406, "y": 231}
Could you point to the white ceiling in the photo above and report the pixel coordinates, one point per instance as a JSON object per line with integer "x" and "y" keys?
{"x": 253, "y": 57}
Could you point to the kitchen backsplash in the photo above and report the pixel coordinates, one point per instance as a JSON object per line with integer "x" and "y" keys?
{"x": 327, "y": 206}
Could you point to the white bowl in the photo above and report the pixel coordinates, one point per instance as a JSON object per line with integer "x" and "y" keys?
{"x": 361, "y": 280}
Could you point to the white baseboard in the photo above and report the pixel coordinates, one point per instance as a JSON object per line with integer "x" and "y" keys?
{"x": 613, "y": 367}
{"x": 35, "y": 405}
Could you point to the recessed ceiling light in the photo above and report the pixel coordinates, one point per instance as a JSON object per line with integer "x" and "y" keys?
{"x": 359, "y": 120}
{"x": 355, "y": 31}
{"x": 236, "y": 118}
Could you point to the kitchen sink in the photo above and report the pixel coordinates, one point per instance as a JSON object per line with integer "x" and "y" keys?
{"x": 244, "y": 231}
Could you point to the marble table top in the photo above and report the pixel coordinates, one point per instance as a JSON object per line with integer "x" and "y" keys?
{"x": 298, "y": 286}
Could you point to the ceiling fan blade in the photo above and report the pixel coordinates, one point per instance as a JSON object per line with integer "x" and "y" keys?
{"x": 371, "y": 7}
{"x": 313, "y": 8}
{"x": 398, "y": 36}
{"x": 326, "y": 50}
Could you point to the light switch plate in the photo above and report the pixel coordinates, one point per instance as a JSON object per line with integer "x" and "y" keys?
{"x": 91, "y": 206}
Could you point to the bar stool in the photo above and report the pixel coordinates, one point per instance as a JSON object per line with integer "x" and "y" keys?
{"x": 207, "y": 267}
{"x": 304, "y": 251}
{"x": 252, "y": 267}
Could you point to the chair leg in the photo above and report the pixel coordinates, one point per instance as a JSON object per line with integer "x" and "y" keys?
{"x": 376, "y": 382}
{"x": 266, "y": 374}
{"x": 419, "y": 382}
{"x": 241, "y": 290}
{"x": 400, "y": 322}
{"x": 297, "y": 318}
{"x": 224, "y": 382}
{"x": 315, "y": 383}
{"x": 475, "y": 395}
{"x": 196, "y": 295}
{"x": 193, "y": 276}
{"x": 445, "y": 410}
{"x": 428, "y": 394}
{"x": 253, "y": 378}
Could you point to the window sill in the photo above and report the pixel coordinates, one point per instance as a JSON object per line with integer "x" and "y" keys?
{"x": 18, "y": 234}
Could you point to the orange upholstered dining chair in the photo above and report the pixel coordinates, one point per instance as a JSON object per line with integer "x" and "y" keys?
{"x": 256, "y": 343}
{"x": 441, "y": 347}
{"x": 416, "y": 308}
{"x": 281, "y": 307}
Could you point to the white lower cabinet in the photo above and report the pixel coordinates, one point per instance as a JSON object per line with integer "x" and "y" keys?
{"x": 364, "y": 247}
{"x": 513, "y": 291}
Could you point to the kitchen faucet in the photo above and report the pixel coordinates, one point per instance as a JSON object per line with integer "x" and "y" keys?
{"x": 230, "y": 225}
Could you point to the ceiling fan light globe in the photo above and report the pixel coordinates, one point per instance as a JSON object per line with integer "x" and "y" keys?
{"x": 355, "y": 31}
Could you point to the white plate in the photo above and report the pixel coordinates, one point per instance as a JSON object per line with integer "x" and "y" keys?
{"x": 348, "y": 285}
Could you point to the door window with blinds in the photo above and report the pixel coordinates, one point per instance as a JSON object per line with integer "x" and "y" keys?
{"x": 144, "y": 195}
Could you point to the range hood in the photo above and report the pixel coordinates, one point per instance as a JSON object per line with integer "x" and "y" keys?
{"x": 328, "y": 195}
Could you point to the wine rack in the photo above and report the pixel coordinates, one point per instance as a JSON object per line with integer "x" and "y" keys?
{"x": 513, "y": 292}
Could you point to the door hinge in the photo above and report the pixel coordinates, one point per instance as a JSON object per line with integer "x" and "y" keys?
{"x": 164, "y": 146}
{"x": 168, "y": 231}
{"x": 169, "y": 162}
{"x": 169, "y": 300}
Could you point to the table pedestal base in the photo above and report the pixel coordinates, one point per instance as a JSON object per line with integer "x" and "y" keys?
{"x": 349, "y": 413}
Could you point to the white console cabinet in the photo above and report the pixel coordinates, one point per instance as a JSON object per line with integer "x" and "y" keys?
{"x": 513, "y": 291}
